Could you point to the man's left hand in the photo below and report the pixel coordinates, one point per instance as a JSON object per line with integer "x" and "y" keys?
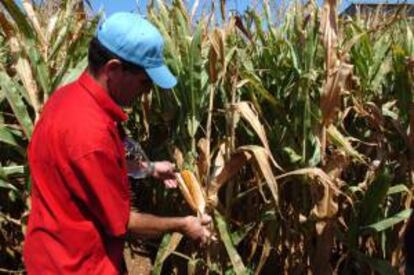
{"x": 165, "y": 171}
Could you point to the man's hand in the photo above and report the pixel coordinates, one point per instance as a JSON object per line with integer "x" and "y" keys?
{"x": 162, "y": 170}
{"x": 196, "y": 228}
{"x": 165, "y": 171}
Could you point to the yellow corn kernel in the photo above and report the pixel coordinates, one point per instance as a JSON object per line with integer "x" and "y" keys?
{"x": 195, "y": 190}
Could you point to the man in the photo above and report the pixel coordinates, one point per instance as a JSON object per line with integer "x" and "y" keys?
{"x": 80, "y": 193}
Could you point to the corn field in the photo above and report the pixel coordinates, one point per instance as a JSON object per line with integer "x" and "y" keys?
{"x": 294, "y": 124}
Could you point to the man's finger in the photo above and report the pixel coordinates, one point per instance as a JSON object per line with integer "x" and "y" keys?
{"x": 170, "y": 183}
{"x": 205, "y": 219}
{"x": 207, "y": 233}
{"x": 174, "y": 183}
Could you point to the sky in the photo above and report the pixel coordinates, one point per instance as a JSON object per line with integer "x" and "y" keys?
{"x": 111, "y": 6}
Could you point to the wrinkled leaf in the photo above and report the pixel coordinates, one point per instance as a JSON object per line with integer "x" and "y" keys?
{"x": 234, "y": 256}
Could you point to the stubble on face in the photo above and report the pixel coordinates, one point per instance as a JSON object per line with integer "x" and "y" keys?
{"x": 129, "y": 87}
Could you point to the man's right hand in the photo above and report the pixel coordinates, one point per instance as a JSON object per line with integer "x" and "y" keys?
{"x": 196, "y": 228}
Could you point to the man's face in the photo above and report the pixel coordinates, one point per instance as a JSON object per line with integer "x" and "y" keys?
{"x": 126, "y": 86}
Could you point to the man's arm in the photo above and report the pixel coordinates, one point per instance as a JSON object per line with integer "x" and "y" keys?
{"x": 151, "y": 226}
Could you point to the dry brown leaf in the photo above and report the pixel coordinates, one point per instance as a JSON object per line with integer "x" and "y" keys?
{"x": 254, "y": 242}
{"x": 318, "y": 173}
{"x": 261, "y": 158}
{"x": 329, "y": 31}
{"x": 242, "y": 28}
{"x": 212, "y": 64}
{"x": 217, "y": 54}
{"x": 146, "y": 106}
{"x": 332, "y": 91}
{"x": 203, "y": 156}
{"x": 26, "y": 76}
{"x": 337, "y": 71}
{"x": 51, "y": 26}
{"x": 6, "y": 26}
{"x": 228, "y": 170}
{"x": 263, "y": 258}
{"x": 248, "y": 112}
{"x": 178, "y": 157}
{"x": 326, "y": 207}
{"x": 11, "y": 35}
{"x": 22, "y": 66}
{"x": 194, "y": 9}
{"x": 230, "y": 27}
{"x": 80, "y": 26}
{"x": 223, "y": 10}
{"x": 238, "y": 159}
{"x": 27, "y": 5}
{"x": 218, "y": 164}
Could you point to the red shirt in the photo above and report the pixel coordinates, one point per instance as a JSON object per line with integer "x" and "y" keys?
{"x": 80, "y": 191}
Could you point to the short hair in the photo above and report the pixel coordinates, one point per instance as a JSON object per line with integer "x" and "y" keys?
{"x": 99, "y": 55}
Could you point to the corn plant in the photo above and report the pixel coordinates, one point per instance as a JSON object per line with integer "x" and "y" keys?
{"x": 313, "y": 92}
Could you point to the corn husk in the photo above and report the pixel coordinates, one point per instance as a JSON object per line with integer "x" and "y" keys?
{"x": 192, "y": 191}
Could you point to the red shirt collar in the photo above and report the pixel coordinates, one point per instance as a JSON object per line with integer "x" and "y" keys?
{"x": 102, "y": 97}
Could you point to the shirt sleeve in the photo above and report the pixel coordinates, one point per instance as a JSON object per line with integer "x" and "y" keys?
{"x": 101, "y": 184}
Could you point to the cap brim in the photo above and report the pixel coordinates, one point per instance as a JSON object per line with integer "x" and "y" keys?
{"x": 162, "y": 77}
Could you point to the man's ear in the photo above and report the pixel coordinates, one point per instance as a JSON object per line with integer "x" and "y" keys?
{"x": 113, "y": 68}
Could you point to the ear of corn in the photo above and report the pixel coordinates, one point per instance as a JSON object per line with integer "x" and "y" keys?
{"x": 185, "y": 191}
{"x": 192, "y": 191}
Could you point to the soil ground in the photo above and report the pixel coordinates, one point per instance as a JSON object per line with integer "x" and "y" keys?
{"x": 137, "y": 264}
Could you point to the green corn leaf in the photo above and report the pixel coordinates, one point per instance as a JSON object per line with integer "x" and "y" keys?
{"x": 238, "y": 236}
{"x": 15, "y": 170}
{"x": 379, "y": 67}
{"x": 39, "y": 66}
{"x": 6, "y": 185}
{"x": 257, "y": 86}
{"x": 381, "y": 266}
{"x": 74, "y": 73}
{"x": 2, "y": 95}
{"x": 400, "y": 188}
{"x": 389, "y": 222}
{"x": 61, "y": 38}
{"x": 4, "y": 180}
{"x": 234, "y": 256}
{"x": 168, "y": 244}
{"x": 7, "y": 137}
{"x": 15, "y": 100}
{"x": 374, "y": 197}
{"x": 339, "y": 140}
{"x": 293, "y": 156}
{"x": 259, "y": 27}
{"x": 182, "y": 26}
{"x": 294, "y": 57}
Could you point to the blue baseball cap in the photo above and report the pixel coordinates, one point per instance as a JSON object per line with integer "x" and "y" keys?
{"x": 136, "y": 40}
